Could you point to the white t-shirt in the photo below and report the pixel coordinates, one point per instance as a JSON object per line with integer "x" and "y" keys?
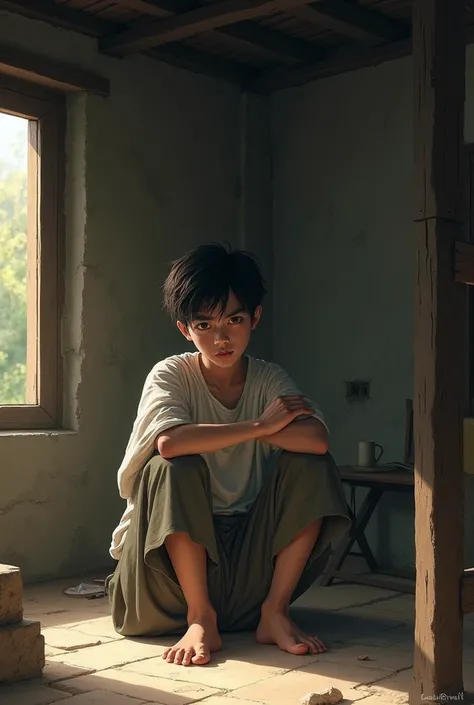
{"x": 176, "y": 393}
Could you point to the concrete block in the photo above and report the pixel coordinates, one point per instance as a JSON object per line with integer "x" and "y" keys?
{"x": 21, "y": 651}
{"x": 11, "y": 594}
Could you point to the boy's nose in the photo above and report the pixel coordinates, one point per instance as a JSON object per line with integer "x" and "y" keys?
{"x": 221, "y": 336}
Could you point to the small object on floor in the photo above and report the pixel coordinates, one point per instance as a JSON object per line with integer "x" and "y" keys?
{"x": 88, "y": 590}
{"x": 364, "y": 658}
{"x": 331, "y": 696}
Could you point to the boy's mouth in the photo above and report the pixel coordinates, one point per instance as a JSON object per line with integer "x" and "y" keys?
{"x": 225, "y": 353}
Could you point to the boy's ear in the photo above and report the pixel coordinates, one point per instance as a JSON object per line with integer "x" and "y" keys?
{"x": 256, "y": 317}
{"x": 184, "y": 330}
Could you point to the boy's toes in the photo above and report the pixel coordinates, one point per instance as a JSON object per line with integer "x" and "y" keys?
{"x": 201, "y": 657}
{"x": 188, "y": 656}
{"x": 293, "y": 647}
{"x": 178, "y": 659}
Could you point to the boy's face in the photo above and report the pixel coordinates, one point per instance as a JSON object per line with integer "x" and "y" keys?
{"x": 222, "y": 340}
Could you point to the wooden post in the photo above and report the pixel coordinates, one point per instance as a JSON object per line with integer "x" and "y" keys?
{"x": 439, "y": 50}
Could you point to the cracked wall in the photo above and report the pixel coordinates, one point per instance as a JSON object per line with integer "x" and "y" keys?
{"x": 154, "y": 169}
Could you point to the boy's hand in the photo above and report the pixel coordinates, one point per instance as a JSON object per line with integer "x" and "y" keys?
{"x": 281, "y": 412}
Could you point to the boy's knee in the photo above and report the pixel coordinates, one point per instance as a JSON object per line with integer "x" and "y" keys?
{"x": 180, "y": 466}
{"x": 310, "y": 461}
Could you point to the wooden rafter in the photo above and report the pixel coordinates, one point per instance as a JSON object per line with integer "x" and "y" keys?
{"x": 39, "y": 69}
{"x": 273, "y": 42}
{"x": 247, "y": 33}
{"x": 59, "y": 15}
{"x": 352, "y": 20}
{"x": 180, "y": 56}
{"x": 186, "y": 57}
{"x": 439, "y": 49}
{"x": 192, "y": 23}
{"x": 336, "y": 61}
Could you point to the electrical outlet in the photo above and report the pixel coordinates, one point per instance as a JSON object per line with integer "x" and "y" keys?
{"x": 358, "y": 390}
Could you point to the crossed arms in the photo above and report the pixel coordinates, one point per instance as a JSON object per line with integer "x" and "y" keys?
{"x": 277, "y": 427}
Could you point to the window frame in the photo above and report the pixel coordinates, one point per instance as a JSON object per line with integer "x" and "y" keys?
{"x": 46, "y": 111}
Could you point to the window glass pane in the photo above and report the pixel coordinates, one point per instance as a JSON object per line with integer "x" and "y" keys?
{"x": 13, "y": 258}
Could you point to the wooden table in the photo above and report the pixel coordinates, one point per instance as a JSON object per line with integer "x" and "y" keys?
{"x": 377, "y": 481}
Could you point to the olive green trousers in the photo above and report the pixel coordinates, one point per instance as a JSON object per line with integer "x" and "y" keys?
{"x": 175, "y": 496}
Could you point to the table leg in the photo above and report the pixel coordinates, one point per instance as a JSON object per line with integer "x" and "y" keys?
{"x": 356, "y": 534}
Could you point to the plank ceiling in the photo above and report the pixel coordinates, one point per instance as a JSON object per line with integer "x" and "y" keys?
{"x": 262, "y": 45}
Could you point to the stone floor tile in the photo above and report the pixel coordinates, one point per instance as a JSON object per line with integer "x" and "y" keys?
{"x": 341, "y": 625}
{"x": 102, "y": 697}
{"x": 341, "y": 595}
{"x": 57, "y": 671}
{"x": 390, "y": 659}
{"x": 52, "y": 651}
{"x": 402, "y": 637}
{"x": 387, "y": 698}
{"x": 224, "y": 700}
{"x": 396, "y": 686}
{"x": 375, "y": 619}
{"x": 243, "y": 647}
{"x": 386, "y": 614}
{"x": 397, "y": 603}
{"x": 288, "y": 688}
{"x": 57, "y": 617}
{"x": 139, "y": 685}
{"x": 223, "y": 672}
{"x": 71, "y": 639}
{"x": 115, "y": 653}
{"x": 30, "y": 693}
{"x": 99, "y": 626}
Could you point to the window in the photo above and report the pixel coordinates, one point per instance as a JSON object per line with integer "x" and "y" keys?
{"x": 31, "y": 234}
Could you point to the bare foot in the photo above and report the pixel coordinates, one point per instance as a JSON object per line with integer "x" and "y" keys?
{"x": 277, "y": 628}
{"x": 196, "y": 646}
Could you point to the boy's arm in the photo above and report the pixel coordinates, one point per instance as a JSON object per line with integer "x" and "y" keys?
{"x": 302, "y": 436}
{"x": 194, "y": 439}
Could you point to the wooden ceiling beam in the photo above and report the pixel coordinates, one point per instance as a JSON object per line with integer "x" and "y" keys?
{"x": 247, "y": 33}
{"x": 57, "y": 15}
{"x": 352, "y": 20}
{"x": 160, "y": 9}
{"x": 179, "y": 56}
{"x": 58, "y": 75}
{"x": 186, "y": 57}
{"x": 337, "y": 61}
{"x": 273, "y": 42}
{"x": 189, "y": 24}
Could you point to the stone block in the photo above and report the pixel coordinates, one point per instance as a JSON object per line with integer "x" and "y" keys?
{"x": 21, "y": 651}
{"x": 11, "y": 594}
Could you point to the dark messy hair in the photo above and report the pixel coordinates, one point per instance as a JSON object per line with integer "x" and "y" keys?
{"x": 201, "y": 280}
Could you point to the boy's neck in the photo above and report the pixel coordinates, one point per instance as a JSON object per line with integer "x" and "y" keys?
{"x": 224, "y": 377}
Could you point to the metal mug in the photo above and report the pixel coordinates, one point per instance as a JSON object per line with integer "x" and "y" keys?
{"x": 367, "y": 454}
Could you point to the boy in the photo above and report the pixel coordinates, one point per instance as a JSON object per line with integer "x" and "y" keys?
{"x": 232, "y": 498}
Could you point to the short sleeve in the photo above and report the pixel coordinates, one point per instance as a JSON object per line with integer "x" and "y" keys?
{"x": 165, "y": 396}
{"x": 162, "y": 405}
{"x": 281, "y": 384}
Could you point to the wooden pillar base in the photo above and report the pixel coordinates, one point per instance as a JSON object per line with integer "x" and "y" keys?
{"x": 439, "y": 482}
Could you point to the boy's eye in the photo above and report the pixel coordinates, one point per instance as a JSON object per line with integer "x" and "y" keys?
{"x": 200, "y": 326}
{"x": 236, "y": 319}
